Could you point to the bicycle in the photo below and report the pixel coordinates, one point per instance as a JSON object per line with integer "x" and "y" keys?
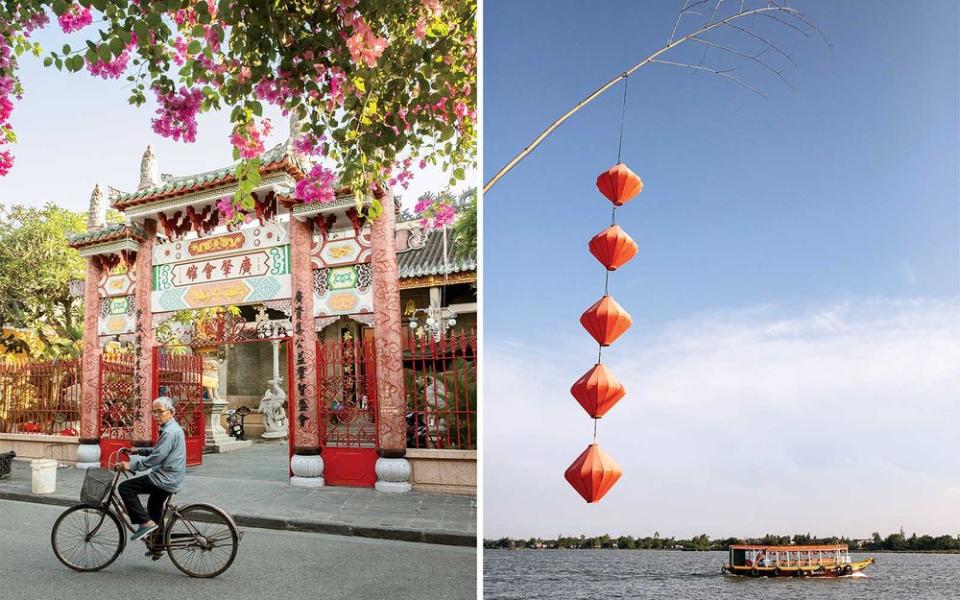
{"x": 201, "y": 539}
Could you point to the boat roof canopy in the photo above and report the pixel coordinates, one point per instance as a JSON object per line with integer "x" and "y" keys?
{"x": 790, "y": 548}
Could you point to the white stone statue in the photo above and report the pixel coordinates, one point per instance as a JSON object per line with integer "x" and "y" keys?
{"x": 97, "y": 215}
{"x": 435, "y": 395}
{"x": 273, "y": 411}
{"x": 149, "y": 170}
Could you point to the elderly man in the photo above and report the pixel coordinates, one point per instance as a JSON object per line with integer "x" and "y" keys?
{"x": 167, "y": 464}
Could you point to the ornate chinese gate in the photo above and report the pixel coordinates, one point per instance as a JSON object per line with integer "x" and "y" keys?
{"x": 182, "y": 376}
{"x": 117, "y": 410}
{"x": 347, "y": 399}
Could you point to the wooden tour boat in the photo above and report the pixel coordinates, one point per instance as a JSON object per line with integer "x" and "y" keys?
{"x": 792, "y": 561}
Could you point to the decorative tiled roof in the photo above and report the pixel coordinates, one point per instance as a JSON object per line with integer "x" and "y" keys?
{"x": 110, "y": 233}
{"x": 278, "y": 158}
{"x": 428, "y": 260}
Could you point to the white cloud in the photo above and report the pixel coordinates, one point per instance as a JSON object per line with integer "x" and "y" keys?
{"x": 840, "y": 420}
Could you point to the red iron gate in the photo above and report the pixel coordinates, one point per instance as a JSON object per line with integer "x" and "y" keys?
{"x": 182, "y": 376}
{"x": 440, "y": 386}
{"x": 347, "y": 398}
{"x": 117, "y": 401}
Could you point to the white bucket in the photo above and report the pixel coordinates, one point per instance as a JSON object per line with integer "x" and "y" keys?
{"x": 44, "y": 475}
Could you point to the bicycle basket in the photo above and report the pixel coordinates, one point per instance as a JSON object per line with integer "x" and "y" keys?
{"x": 96, "y": 487}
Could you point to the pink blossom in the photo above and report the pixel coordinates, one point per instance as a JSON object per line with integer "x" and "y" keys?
{"x": 6, "y": 162}
{"x": 435, "y": 213}
{"x": 180, "y": 50}
{"x": 111, "y": 69}
{"x": 432, "y": 6}
{"x": 37, "y": 21}
{"x": 309, "y": 144}
{"x": 420, "y": 31}
{"x": 248, "y": 139}
{"x": 178, "y": 114}
{"x": 225, "y": 205}
{"x": 364, "y": 46}
{"x": 213, "y": 38}
{"x": 317, "y": 186}
{"x": 75, "y": 18}
{"x": 6, "y": 108}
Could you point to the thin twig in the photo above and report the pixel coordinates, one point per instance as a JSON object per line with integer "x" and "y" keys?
{"x": 720, "y": 72}
{"x": 765, "y": 41}
{"x": 755, "y": 58}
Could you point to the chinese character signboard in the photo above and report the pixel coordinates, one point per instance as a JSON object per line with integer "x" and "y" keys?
{"x": 242, "y": 267}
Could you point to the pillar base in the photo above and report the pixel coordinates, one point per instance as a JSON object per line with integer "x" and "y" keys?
{"x": 88, "y": 456}
{"x": 393, "y": 475}
{"x": 307, "y": 470}
{"x": 310, "y": 482}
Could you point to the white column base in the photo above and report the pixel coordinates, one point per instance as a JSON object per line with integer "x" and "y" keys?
{"x": 311, "y": 482}
{"x": 88, "y": 456}
{"x": 307, "y": 470}
{"x": 393, "y": 475}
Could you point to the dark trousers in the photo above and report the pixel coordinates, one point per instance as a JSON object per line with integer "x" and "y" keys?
{"x": 130, "y": 491}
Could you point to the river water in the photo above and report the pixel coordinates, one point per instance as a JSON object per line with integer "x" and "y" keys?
{"x": 656, "y": 575}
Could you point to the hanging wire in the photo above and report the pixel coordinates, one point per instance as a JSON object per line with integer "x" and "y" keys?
{"x": 623, "y": 112}
{"x": 595, "y": 430}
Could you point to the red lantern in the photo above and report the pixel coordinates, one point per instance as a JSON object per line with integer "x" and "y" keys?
{"x": 593, "y": 473}
{"x": 597, "y": 391}
{"x": 619, "y": 184}
{"x": 613, "y": 247}
{"x": 605, "y": 321}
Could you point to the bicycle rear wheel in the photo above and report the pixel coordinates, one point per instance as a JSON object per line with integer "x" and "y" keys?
{"x": 86, "y": 538}
{"x": 202, "y": 540}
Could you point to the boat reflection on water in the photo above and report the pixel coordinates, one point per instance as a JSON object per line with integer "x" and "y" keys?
{"x": 793, "y": 561}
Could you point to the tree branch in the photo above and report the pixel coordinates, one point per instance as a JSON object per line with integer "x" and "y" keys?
{"x": 770, "y": 8}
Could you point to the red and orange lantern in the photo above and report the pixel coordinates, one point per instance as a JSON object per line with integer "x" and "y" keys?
{"x": 597, "y": 391}
{"x": 594, "y": 472}
{"x": 613, "y": 247}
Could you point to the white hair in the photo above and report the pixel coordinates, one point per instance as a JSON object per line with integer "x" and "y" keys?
{"x": 165, "y": 402}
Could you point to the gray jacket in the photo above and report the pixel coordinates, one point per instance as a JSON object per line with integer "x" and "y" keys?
{"x": 167, "y": 460}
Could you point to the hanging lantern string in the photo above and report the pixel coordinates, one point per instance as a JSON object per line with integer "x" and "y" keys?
{"x": 623, "y": 112}
{"x": 595, "y": 430}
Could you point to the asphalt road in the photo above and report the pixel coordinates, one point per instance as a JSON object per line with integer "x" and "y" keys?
{"x": 270, "y": 564}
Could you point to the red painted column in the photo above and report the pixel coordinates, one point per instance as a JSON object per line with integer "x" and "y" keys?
{"x": 306, "y": 463}
{"x": 393, "y": 471}
{"x": 143, "y": 339}
{"x": 88, "y": 453}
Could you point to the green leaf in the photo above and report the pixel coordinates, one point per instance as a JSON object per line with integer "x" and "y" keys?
{"x": 142, "y": 30}
{"x": 194, "y": 47}
{"x": 117, "y": 46}
{"x": 59, "y": 7}
{"x": 66, "y": 48}
{"x": 47, "y": 61}
{"x": 100, "y": 5}
{"x": 103, "y": 51}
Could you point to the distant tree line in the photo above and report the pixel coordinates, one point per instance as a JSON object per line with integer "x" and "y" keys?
{"x": 895, "y": 542}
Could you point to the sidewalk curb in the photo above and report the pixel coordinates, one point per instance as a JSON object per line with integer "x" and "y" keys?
{"x": 304, "y": 525}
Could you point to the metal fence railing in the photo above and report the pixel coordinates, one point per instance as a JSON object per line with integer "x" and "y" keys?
{"x": 41, "y": 397}
{"x": 440, "y": 381}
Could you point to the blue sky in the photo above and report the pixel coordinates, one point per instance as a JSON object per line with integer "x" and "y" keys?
{"x": 76, "y": 130}
{"x": 811, "y": 238}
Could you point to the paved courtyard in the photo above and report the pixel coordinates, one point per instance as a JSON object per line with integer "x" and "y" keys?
{"x": 269, "y": 564}
{"x": 251, "y": 484}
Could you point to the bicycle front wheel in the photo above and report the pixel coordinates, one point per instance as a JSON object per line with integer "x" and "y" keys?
{"x": 202, "y": 540}
{"x": 86, "y": 538}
